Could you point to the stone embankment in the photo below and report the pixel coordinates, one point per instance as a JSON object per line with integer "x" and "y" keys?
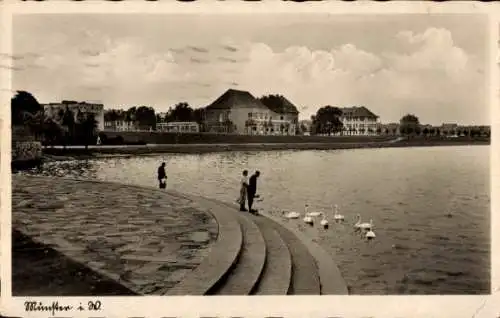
{"x": 145, "y": 241}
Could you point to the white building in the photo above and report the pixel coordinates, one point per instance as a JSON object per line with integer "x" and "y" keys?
{"x": 120, "y": 125}
{"x": 178, "y": 126}
{"x": 359, "y": 121}
{"x": 240, "y": 112}
{"x": 53, "y": 110}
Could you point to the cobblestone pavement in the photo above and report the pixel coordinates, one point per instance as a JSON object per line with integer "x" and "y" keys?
{"x": 146, "y": 239}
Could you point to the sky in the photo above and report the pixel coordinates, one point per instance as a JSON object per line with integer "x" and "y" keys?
{"x": 433, "y": 66}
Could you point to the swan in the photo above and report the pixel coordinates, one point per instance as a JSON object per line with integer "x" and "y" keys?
{"x": 316, "y": 213}
{"x": 370, "y": 235}
{"x": 363, "y": 226}
{"x": 307, "y": 219}
{"x": 324, "y": 222}
{"x": 291, "y": 215}
{"x": 337, "y": 216}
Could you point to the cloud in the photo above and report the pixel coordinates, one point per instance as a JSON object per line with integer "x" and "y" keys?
{"x": 428, "y": 74}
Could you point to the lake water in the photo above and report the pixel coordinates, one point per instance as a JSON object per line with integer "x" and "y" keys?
{"x": 406, "y": 191}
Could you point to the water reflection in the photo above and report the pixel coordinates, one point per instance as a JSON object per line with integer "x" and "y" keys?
{"x": 407, "y": 192}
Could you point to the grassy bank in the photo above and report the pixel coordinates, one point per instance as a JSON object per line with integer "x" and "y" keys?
{"x": 207, "y": 148}
{"x": 159, "y": 138}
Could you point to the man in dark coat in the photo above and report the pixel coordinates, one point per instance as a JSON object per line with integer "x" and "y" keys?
{"x": 252, "y": 190}
{"x": 162, "y": 176}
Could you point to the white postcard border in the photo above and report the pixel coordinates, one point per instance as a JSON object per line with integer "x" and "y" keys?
{"x": 243, "y": 306}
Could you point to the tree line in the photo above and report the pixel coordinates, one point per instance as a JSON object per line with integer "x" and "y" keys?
{"x": 66, "y": 127}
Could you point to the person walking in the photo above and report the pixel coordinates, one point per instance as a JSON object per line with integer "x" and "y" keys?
{"x": 162, "y": 176}
{"x": 243, "y": 191}
{"x": 252, "y": 190}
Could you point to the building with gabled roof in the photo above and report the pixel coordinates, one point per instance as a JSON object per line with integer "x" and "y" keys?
{"x": 238, "y": 111}
{"x": 359, "y": 120}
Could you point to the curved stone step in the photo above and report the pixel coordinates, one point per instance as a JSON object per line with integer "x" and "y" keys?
{"x": 222, "y": 257}
{"x": 277, "y": 274}
{"x": 245, "y": 275}
{"x": 305, "y": 277}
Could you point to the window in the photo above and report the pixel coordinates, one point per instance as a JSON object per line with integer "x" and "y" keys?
{"x": 249, "y": 115}
{"x": 281, "y": 117}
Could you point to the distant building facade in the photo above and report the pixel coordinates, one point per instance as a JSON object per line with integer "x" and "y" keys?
{"x": 178, "y": 126}
{"x": 120, "y": 125}
{"x": 54, "y": 110}
{"x": 359, "y": 121}
{"x": 240, "y": 112}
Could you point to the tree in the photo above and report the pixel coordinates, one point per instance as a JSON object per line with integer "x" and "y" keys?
{"x": 130, "y": 114}
{"x": 418, "y": 130}
{"x": 22, "y": 104}
{"x": 52, "y": 131}
{"x": 68, "y": 123}
{"x": 327, "y": 120}
{"x": 181, "y": 112}
{"x": 409, "y": 124}
{"x": 88, "y": 127}
{"x": 146, "y": 118}
{"x": 199, "y": 117}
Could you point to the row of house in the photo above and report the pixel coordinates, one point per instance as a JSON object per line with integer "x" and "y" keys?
{"x": 239, "y": 112}
{"x": 235, "y": 111}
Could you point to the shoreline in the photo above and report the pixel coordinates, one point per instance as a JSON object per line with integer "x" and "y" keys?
{"x": 123, "y": 151}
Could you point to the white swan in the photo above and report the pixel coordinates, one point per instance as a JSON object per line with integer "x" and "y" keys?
{"x": 307, "y": 219}
{"x": 337, "y": 216}
{"x": 315, "y": 213}
{"x": 324, "y": 222}
{"x": 291, "y": 215}
{"x": 370, "y": 235}
{"x": 363, "y": 226}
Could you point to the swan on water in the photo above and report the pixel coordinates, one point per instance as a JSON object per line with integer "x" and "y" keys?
{"x": 307, "y": 219}
{"x": 291, "y": 215}
{"x": 337, "y": 216}
{"x": 315, "y": 213}
{"x": 363, "y": 226}
{"x": 370, "y": 235}
{"x": 324, "y": 222}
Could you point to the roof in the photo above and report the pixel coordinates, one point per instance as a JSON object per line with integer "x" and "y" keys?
{"x": 236, "y": 98}
{"x": 356, "y": 111}
{"x": 279, "y": 104}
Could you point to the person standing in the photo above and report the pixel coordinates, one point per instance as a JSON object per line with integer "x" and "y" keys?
{"x": 243, "y": 191}
{"x": 252, "y": 190}
{"x": 162, "y": 176}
